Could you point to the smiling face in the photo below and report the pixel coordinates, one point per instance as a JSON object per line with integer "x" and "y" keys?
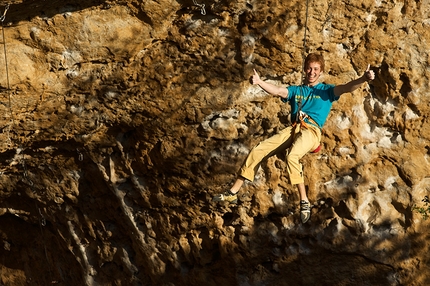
{"x": 313, "y": 73}
{"x": 314, "y": 67}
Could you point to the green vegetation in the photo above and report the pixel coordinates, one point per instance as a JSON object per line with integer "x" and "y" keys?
{"x": 423, "y": 210}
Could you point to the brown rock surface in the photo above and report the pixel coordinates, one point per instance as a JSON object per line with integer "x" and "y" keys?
{"x": 121, "y": 120}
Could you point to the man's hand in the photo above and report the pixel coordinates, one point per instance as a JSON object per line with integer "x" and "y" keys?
{"x": 255, "y": 79}
{"x": 369, "y": 74}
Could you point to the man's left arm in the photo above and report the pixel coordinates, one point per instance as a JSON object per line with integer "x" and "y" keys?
{"x": 354, "y": 84}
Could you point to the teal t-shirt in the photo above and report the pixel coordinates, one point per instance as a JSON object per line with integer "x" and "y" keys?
{"x": 316, "y": 101}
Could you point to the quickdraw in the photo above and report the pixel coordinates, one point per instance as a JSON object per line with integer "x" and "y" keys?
{"x": 201, "y": 6}
{"x": 3, "y": 17}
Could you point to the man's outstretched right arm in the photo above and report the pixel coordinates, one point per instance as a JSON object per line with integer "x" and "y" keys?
{"x": 268, "y": 87}
{"x": 354, "y": 84}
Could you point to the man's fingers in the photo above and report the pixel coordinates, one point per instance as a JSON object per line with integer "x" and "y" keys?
{"x": 254, "y": 77}
{"x": 370, "y": 75}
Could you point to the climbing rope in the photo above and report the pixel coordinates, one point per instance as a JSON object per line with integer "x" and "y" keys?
{"x": 303, "y": 61}
{"x": 26, "y": 178}
{"x": 304, "y": 41}
{"x": 2, "y": 18}
{"x": 300, "y": 115}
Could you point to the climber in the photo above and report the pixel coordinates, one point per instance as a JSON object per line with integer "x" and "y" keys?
{"x": 310, "y": 105}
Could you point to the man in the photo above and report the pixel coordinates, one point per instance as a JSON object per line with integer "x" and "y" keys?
{"x": 310, "y": 107}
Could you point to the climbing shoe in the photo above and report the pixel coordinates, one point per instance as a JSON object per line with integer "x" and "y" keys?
{"x": 227, "y": 196}
{"x": 305, "y": 211}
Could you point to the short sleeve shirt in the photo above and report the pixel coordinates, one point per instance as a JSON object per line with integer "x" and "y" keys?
{"x": 316, "y": 101}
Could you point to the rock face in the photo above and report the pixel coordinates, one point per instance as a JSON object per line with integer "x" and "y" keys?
{"x": 121, "y": 120}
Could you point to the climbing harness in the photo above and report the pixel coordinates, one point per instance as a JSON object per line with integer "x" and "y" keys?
{"x": 302, "y": 118}
{"x": 201, "y": 6}
{"x": 303, "y": 121}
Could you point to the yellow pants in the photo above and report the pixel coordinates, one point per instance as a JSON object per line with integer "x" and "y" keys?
{"x": 297, "y": 141}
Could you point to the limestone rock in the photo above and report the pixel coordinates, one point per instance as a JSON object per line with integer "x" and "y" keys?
{"x": 121, "y": 120}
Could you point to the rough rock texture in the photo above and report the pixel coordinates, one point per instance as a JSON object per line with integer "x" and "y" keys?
{"x": 121, "y": 120}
